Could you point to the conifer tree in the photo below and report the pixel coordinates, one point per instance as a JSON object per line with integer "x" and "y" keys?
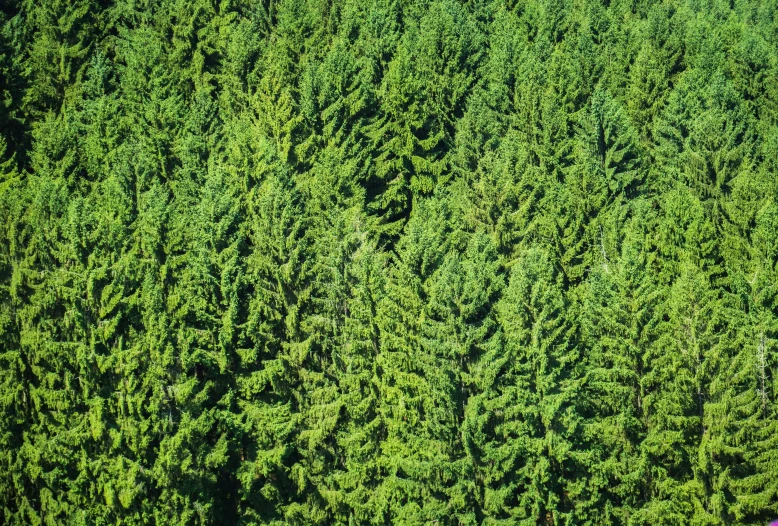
{"x": 522, "y": 427}
{"x": 414, "y": 133}
{"x": 619, "y": 317}
{"x": 280, "y": 277}
{"x": 361, "y": 427}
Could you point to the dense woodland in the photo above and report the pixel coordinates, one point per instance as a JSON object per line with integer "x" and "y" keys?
{"x": 388, "y": 262}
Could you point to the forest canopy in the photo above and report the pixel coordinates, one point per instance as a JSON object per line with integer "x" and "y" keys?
{"x": 388, "y": 262}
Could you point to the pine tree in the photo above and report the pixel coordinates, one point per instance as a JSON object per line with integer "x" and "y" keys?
{"x": 605, "y": 176}
{"x": 522, "y": 427}
{"x": 421, "y": 462}
{"x": 414, "y": 131}
{"x": 63, "y": 33}
{"x": 687, "y": 351}
{"x": 16, "y": 404}
{"x": 356, "y": 359}
{"x": 267, "y": 389}
{"x": 619, "y": 317}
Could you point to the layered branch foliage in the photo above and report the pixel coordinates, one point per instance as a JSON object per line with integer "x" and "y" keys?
{"x": 388, "y": 262}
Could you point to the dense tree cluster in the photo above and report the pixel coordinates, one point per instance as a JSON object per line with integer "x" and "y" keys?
{"x": 388, "y": 262}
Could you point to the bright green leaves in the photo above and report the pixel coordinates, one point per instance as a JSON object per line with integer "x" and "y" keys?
{"x": 388, "y": 262}
{"x": 519, "y": 427}
{"x": 62, "y": 35}
{"x": 418, "y": 107}
{"x": 608, "y": 145}
{"x": 606, "y": 173}
{"x": 619, "y": 316}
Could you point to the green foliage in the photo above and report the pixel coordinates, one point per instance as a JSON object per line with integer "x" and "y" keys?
{"x": 388, "y": 262}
